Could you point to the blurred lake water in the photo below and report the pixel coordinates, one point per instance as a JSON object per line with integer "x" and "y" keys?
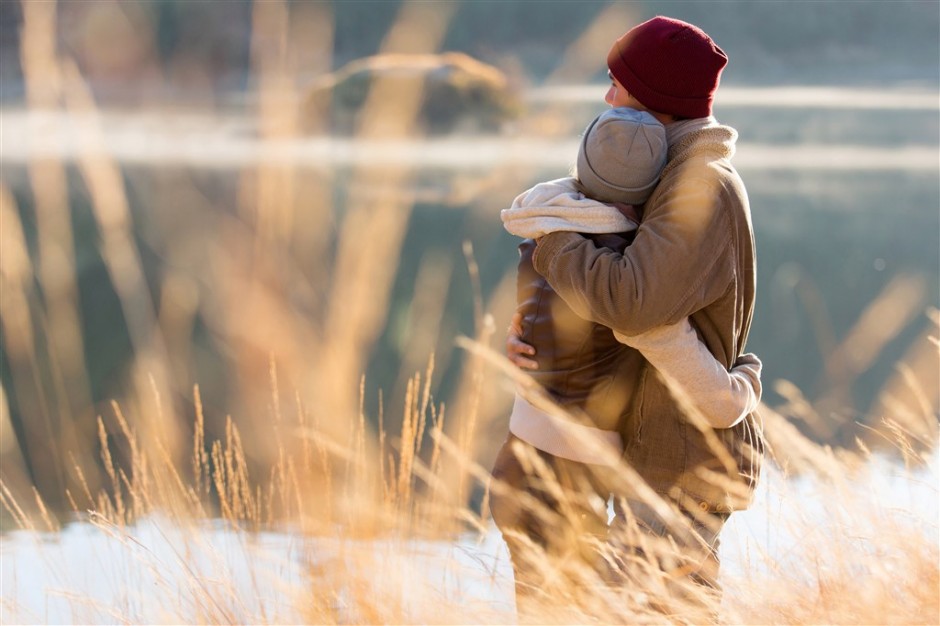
{"x": 843, "y": 185}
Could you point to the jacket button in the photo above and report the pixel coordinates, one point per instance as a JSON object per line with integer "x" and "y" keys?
{"x": 703, "y": 506}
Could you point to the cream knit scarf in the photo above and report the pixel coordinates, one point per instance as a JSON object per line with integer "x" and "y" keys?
{"x": 558, "y": 205}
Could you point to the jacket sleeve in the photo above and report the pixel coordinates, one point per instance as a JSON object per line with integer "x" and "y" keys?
{"x": 679, "y": 262}
{"x": 723, "y": 398}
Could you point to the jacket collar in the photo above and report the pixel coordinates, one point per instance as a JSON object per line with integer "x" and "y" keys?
{"x": 715, "y": 139}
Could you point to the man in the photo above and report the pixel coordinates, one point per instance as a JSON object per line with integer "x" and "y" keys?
{"x": 693, "y": 256}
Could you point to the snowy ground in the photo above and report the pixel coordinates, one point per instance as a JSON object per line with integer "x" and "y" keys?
{"x": 158, "y": 572}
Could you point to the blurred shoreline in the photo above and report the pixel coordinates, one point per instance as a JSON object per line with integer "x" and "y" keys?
{"x": 230, "y": 138}
{"x": 916, "y": 95}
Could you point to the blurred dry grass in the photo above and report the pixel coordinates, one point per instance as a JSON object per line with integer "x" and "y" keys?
{"x": 301, "y": 452}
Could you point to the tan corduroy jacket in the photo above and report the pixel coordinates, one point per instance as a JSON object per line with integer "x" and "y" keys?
{"x": 693, "y": 256}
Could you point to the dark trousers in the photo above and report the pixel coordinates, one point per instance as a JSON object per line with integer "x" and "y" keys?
{"x": 552, "y": 513}
{"x": 548, "y": 509}
{"x": 672, "y": 567}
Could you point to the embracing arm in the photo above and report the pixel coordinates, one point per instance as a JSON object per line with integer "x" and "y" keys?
{"x": 723, "y": 398}
{"x": 679, "y": 262}
{"x": 517, "y": 350}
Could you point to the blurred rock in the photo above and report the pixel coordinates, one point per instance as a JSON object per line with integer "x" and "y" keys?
{"x": 458, "y": 94}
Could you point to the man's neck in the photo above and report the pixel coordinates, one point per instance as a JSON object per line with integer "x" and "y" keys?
{"x": 664, "y": 118}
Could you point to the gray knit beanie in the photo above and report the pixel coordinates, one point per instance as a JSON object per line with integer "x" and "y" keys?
{"x": 621, "y": 155}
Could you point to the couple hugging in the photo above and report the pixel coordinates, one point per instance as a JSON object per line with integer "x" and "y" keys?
{"x": 635, "y": 295}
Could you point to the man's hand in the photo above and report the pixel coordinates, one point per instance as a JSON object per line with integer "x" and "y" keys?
{"x": 516, "y": 349}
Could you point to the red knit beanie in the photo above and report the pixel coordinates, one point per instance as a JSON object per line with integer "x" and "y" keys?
{"x": 670, "y": 66}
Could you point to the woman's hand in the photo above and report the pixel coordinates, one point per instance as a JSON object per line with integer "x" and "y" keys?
{"x": 517, "y": 350}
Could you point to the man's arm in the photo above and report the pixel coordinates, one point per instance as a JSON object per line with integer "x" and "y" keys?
{"x": 679, "y": 263}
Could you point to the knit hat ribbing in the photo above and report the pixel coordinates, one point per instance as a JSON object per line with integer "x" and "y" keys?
{"x": 668, "y": 65}
{"x": 621, "y": 155}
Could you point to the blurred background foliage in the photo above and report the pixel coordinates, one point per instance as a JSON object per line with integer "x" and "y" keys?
{"x": 247, "y": 261}
{"x": 805, "y": 42}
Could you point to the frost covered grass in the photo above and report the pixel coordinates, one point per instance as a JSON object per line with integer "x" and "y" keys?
{"x": 851, "y": 540}
{"x": 339, "y": 534}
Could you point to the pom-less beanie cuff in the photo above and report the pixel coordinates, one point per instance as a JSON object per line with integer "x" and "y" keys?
{"x": 669, "y": 66}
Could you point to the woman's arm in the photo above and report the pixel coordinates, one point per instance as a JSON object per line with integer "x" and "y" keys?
{"x": 723, "y": 398}
{"x": 517, "y": 350}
